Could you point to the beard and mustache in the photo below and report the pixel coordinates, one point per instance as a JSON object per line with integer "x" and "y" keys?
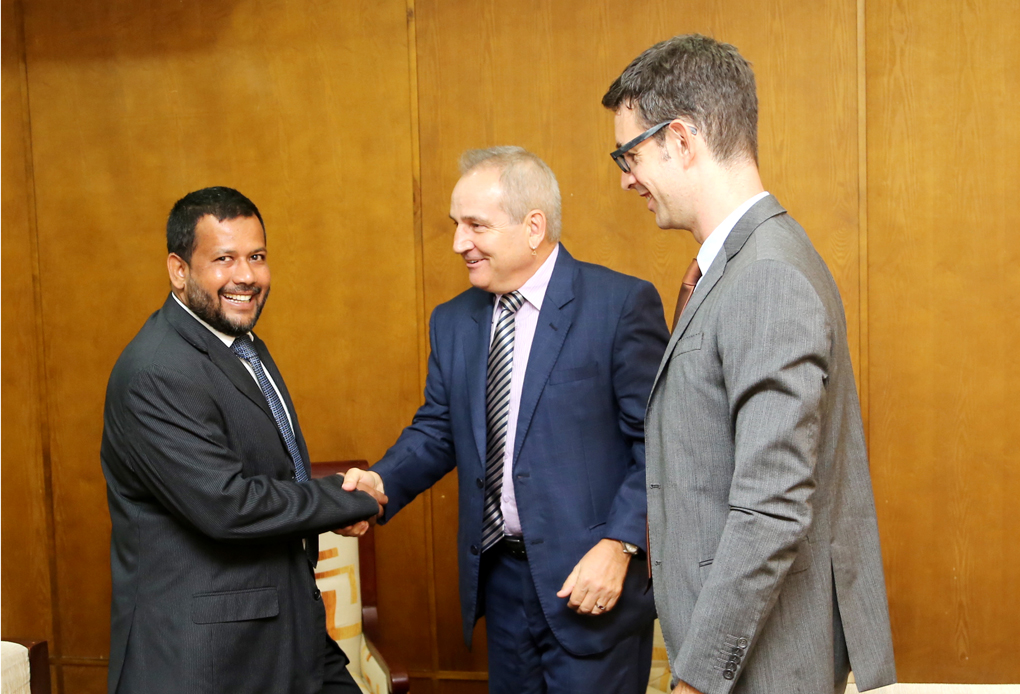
{"x": 209, "y": 307}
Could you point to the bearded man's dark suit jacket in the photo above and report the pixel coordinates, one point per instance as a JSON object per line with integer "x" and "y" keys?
{"x": 579, "y": 452}
{"x": 213, "y": 590}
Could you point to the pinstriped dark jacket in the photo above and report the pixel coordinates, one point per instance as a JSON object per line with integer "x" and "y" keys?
{"x": 212, "y": 589}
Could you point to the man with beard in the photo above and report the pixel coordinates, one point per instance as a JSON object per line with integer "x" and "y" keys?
{"x": 215, "y": 520}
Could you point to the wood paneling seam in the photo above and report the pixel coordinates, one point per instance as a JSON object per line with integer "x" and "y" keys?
{"x": 419, "y": 277}
{"x": 40, "y": 346}
{"x": 435, "y": 676}
{"x": 862, "y": 220}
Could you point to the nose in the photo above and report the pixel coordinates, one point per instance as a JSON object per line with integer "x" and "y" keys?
{"x": 461, "y": 242}
{"x": 243, "y": 272}
{"x": 627, "y": 180}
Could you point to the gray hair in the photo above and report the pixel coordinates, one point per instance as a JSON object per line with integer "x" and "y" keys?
{"x": 527, "y": 183}
{"x": 699, "y": 79}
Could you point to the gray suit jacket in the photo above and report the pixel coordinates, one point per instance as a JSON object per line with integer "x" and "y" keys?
{"x": 760, "y": 506}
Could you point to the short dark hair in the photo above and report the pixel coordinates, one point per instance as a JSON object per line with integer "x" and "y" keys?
{"x": 697, "y": 78}
{"x": 219, "y": 201}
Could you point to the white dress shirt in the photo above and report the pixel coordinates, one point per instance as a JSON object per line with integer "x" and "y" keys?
{"x": 229, "y": 341}
{"x": 525, "y": 323}
{"x": 714, "y": 243}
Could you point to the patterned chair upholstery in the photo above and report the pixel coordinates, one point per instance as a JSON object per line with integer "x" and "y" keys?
{"x": 345, "y": 576}
{"x": 659, "y": 680}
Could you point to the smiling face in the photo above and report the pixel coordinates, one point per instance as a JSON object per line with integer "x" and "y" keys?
{"x": 497, "y": 251}
{"x": 226, "y": 283}
{"x": 654, "y": 174}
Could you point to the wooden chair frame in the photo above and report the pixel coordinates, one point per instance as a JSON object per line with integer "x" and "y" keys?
{"x": 38, "y": 664}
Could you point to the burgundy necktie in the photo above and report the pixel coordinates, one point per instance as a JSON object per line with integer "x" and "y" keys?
{"x": 689, "y": 282}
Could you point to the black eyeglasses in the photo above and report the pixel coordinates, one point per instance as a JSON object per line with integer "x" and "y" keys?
{"x": 618, "y": 155}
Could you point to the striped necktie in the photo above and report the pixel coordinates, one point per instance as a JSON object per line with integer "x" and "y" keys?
{"x": 497, "y": 416}
{"x": 244, "y": 348}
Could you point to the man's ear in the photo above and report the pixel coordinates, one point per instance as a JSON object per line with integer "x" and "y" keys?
{"x": 178, "y": 270}
{"x": 683, "y": 136}
{"x": 535, "y": 223}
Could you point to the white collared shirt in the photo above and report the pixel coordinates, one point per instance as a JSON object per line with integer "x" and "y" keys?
{"x": 714, "y": 243}
{"x": 525, "y": 323}
{"x": 229, "y": 341}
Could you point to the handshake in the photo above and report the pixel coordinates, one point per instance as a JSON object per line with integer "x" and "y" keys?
{"x": 371, "y": 483}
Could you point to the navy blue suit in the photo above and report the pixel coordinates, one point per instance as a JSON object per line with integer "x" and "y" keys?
{"x": 579, "y": 453}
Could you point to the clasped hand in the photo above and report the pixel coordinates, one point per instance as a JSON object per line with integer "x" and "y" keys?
{"x": 596, "y": 582}
{"x": 366, "y": 481}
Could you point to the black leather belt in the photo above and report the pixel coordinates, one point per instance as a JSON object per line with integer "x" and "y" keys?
{"x": 514, "y": 546}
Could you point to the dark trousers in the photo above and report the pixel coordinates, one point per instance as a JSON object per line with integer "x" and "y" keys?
{"x": 335, "y": 678}
{"x": 526, "y": 658}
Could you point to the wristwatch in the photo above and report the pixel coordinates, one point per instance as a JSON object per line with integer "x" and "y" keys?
{"x": 630, "y": 549}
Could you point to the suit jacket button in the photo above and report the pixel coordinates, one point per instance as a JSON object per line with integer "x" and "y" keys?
{"x": 474, "y": 550}
{"x": 316, "y": 594}
{"x": 728, "y": 675}
{"x": 479, "y": 483}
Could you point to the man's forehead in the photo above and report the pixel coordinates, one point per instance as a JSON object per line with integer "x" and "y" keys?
{"x": 228, "y": 234}
{"x": 624, "y": 122}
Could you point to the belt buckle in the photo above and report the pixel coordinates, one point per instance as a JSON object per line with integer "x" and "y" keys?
{"x": 515, "y": 546}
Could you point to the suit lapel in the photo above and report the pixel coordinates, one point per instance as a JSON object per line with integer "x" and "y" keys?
{"x": 765, "y": 208}
{"x": 476, "y": 358}
{"x": 220, "y": 355}
{"x": 554, "y": 322}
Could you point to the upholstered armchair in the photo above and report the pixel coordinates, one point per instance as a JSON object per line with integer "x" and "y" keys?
{"x": 26, "y": 667}
{"x": 345, "y": 576}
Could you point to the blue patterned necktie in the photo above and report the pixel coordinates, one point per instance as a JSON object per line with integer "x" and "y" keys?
{"x": 497, "y": 416}
{"x": 244, "y": 348}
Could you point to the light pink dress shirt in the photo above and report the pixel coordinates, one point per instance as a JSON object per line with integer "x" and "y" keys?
{"x": 525, "y": 323}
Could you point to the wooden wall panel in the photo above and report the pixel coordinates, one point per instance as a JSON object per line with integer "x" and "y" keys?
{"x": 79, "y": 679}
{"x": 331, "y": 115}
{"x": 27, "y": 610}
{"x": 488, "y": 78}
{"x": 943, "y": 147}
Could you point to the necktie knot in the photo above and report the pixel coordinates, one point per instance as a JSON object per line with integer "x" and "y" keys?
{"x": 693, "y": 273}
{"x": 687, "y": 285}
{"x": 244, "y": 348}
{"x": 511, "y": 302}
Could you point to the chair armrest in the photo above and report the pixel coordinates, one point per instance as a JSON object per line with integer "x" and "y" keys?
{"x": 394, "y": 672}
{"x": 38, "y": 664}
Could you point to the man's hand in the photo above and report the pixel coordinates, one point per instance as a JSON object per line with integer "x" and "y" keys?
{"x": 684, "y": 688}
{"x": 366, "y": 481}
{"x": 596, "y": 582}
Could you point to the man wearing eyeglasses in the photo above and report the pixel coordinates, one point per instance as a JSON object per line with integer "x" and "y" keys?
{"x": 537, "y": 382}
{"x": 763, "y": 537}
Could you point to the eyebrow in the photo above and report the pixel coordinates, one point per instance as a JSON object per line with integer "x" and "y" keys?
{"x": 233, "y": 251}
{"x": 472, "y": 218}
